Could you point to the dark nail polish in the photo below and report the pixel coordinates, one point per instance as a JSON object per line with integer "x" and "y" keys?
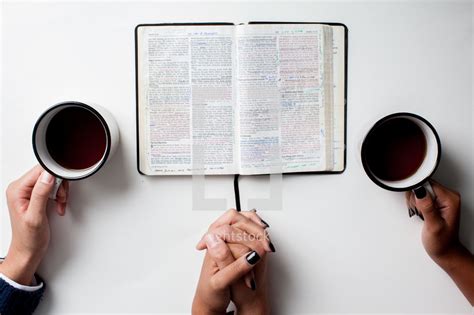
{"x": 420, "y": 192}
{"x": 252, "y": 257}
{"x": 421, "y": 216}
{"x": 272, "y": 247}
{"x": 411, "y": 212}
{"x": 416, "y": 211}
{"x": 268, "y": 225}
{"x": 253, "y": 285}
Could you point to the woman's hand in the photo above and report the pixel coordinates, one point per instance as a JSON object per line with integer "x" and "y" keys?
{"x": 219, "y": 271}
{"x": 27, "y": 198}
{"x": 226, "y": 244}
{"x": 440, "y": 234}
{"x": 441, "y": 216}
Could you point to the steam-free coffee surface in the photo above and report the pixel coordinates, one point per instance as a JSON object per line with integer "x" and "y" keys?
{"x": 76, "y": 138}
{"x": 395, "y": 149}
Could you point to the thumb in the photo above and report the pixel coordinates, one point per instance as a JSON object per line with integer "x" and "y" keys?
{"x": 223, "y": 256}
{"x": 235, "y": 270}
{"x": 40, "y": 194}
{"x": 424, "y": 203}
{"x": 219, "y": 251}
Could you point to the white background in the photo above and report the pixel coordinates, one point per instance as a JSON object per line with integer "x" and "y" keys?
{"x": 343, "y": 245}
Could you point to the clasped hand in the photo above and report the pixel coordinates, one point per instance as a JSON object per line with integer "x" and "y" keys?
{"x": 234, "y": 267}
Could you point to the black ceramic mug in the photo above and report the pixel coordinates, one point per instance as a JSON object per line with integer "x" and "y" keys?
{"x": 401, "y": 152}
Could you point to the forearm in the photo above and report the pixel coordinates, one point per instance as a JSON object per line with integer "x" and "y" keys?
{"x": 459, "y": 265}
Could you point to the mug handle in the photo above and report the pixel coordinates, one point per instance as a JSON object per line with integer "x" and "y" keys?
{"x": 54, "y": 192}
{"x": 429, "y": 189}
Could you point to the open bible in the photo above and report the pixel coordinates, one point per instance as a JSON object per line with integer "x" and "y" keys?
{"x": 257, "y": 98}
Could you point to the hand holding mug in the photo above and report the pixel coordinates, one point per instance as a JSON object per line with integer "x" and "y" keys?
{"x": 73, "y": 140}
{"x": 401, "y": 152}
{"x": 440, "y": 234}
{"x": 27, "y": 198}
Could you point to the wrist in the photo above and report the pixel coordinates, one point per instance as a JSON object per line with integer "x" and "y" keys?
{"x": 19, "y": 268}
{"x": 258, "y": 307}
{"x": 201, "y": 308}
{"x": 450, "y": 260}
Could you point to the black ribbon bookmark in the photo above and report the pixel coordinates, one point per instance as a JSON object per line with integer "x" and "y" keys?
{"x": 237, "y": 192}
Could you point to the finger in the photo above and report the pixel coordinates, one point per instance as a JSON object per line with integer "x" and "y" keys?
{"x": 232, "y": 217}
{"x": 240, "y": 221}
{"x": 228, "y": 218}
{"x": 61, "y": 198}
{"x": 255, "y": 218}
{"x": 24, "y": 185}
{"x": 61, "y": 208}
{"x": 40, "y": 194}
{"x": 448, "y": 201}
{"x": 235, "y": 270}
{"x": 237, "y": 251}
{"x": 444, "y": 195}
{"x": 61, "y": 194}
{"x": 251, "y": 277}
{"x": 221, "y": 253}
{"x": 218, "y": 250}
{"x": 29, "y": 178}
{"x": 425, "y": 204}
{"x": 251, "y": 228}
{"x": 233, "y": 235}
{"x": 408, "y": 195}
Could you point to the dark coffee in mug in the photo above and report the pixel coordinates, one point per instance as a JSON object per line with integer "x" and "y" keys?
{"x": 395, "y": 149}
{"x": 400, "y": 152}
{"x": 76, "y": 138}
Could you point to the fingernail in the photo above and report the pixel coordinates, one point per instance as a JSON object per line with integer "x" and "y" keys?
{"x": 212, "y": 240}
{"x": 272, "y": 247}
{"x": 46, "y": 178}
{"x": 411, "y": 212}
{"x": 421, "y": 216}
{"x": 252, "y": 257}
{"x": 253, "y": 285}
{"x": 266, "y": 224}
{"x": 253, "y": 210}
{"x": 420, "y": 192}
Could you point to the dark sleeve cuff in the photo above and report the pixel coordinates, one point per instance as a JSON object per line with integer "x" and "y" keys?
{"x": 14, "y": 301}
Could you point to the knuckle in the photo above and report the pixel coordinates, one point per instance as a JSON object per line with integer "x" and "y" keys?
{"x": 221, "y": 253}
{"x": 455, "y": 200}
{"x": 32, "y": 222}
{"x": 426, "y": 205}
{"x": 435, "y": 229}
{"x": 10, "y": 189}
{"x": 212, "y": 226}
{"x": 254, "y": 216}
{"x": 216, "y": 283}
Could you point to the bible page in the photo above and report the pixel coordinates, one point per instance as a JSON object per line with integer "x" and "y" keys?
{"x": 339, "y": 96}
{"x": 186, "y": 99}
{"x": 284, "y": 98}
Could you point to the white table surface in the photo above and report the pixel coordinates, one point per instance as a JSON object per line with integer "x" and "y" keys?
{"x": 343, "y": 245}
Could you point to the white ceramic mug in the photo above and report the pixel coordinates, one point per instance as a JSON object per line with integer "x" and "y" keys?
{"x": 40, "y": 149}
{"x": 427, "y": 167}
